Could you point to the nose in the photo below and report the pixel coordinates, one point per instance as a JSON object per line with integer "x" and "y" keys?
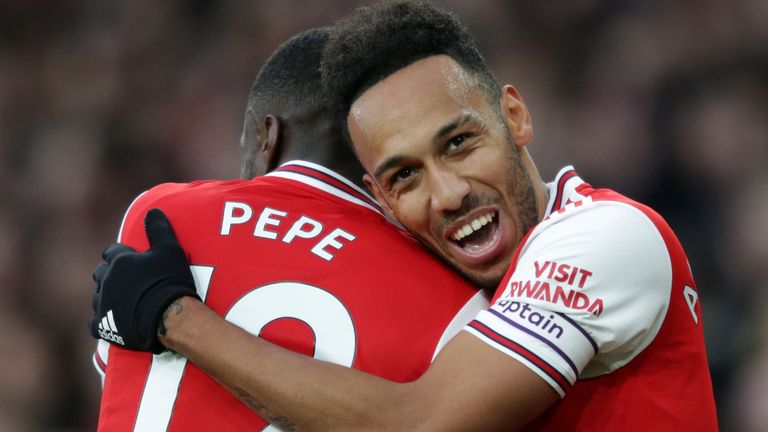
{"x": 447, "y": 189}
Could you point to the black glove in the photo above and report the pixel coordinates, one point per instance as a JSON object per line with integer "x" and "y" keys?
{"x": 134, "y": 289}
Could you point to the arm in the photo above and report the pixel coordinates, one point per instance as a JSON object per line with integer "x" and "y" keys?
{"x": 471, "y": 386}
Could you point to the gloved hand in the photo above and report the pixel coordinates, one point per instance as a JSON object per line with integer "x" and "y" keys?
{"x": 133, "y": 289}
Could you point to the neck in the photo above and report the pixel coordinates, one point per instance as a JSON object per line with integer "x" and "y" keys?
{"x": 324, "y": 148}
{"x": 539, "y": 187}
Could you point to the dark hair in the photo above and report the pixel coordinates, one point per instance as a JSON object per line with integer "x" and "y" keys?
{"x": 289, "y": 85}
{"x": 291, "y": 75}
{"x": 376, "y": 41}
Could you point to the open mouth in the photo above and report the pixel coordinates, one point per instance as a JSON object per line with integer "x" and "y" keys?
{"x": 478, "y": 235}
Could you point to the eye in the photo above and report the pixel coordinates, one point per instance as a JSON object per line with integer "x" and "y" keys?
{"x": 401, "y": 175}
{"x": 456, "y": 141}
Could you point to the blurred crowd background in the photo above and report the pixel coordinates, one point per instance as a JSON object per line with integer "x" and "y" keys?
{"x": 665, "y": 101}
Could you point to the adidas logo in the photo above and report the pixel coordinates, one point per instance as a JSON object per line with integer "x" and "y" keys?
{"x": 108, "y": 329}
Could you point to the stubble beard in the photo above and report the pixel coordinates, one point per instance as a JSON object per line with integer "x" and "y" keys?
{"x": 523, "y": 200}
{"x": 523, "y": 194}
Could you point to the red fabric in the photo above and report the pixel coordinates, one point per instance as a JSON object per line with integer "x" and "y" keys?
{"x": 399, "y": 298}
{"x": 667, "y": 387}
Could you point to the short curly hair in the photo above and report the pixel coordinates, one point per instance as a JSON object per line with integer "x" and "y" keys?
{"x": 376, "y": 41}
{"x": 288, "y": 83}
{"x": 291, "y": 75}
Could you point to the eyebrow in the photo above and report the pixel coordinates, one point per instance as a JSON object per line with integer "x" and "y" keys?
{"x": 441, "y": 133}
{"x": 455, "y": 123}
{"x": 387, "y": 164}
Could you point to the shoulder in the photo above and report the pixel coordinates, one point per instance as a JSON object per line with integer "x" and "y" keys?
{"x": 589, "y": 290}
{"x": 177, "y": 198}
{"x": 604, "y": 264}
{"x": 611, "y": 234}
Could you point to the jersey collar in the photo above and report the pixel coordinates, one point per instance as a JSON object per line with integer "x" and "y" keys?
{"x": 326, "y": 180}
{"x": 562, "y": 190}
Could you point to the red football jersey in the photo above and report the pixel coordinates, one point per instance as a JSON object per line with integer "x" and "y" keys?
{"x": 600, "y": 302}
{"x": 303, "y": 258}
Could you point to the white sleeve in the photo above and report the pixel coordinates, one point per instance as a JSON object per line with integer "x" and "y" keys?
{"x": 589, "y": 292}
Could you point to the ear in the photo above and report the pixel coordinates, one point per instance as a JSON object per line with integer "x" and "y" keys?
{"x": 259, "y": 145}
{"x": 516, "y": 115}
{"x": 270, "y": 142}
{"x": 376, "y": 191}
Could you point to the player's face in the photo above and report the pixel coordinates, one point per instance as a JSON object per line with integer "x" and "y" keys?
{"x": 447, "y": 165}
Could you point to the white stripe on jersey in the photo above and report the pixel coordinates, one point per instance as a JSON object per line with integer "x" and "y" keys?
{"x": 160, "y": 392}
{"x": 325, "y": 186}
{"x": 599, "y": 322}
{"x": 330, "y": 173}
{"x": 569, "y": 190}
{"x": 479, "y": 302}
{"x": 554, "y": 384}
{"x": 102, "y": 350}
{"x": 125, "y": 216}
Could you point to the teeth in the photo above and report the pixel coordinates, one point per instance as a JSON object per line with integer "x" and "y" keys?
{"x": 472, "y": 226}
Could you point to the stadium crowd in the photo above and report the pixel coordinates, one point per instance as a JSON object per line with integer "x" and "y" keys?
{"x": 663, "y": 101}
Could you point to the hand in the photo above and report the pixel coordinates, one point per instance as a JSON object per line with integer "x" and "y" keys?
{"x": 134, "y": 289}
